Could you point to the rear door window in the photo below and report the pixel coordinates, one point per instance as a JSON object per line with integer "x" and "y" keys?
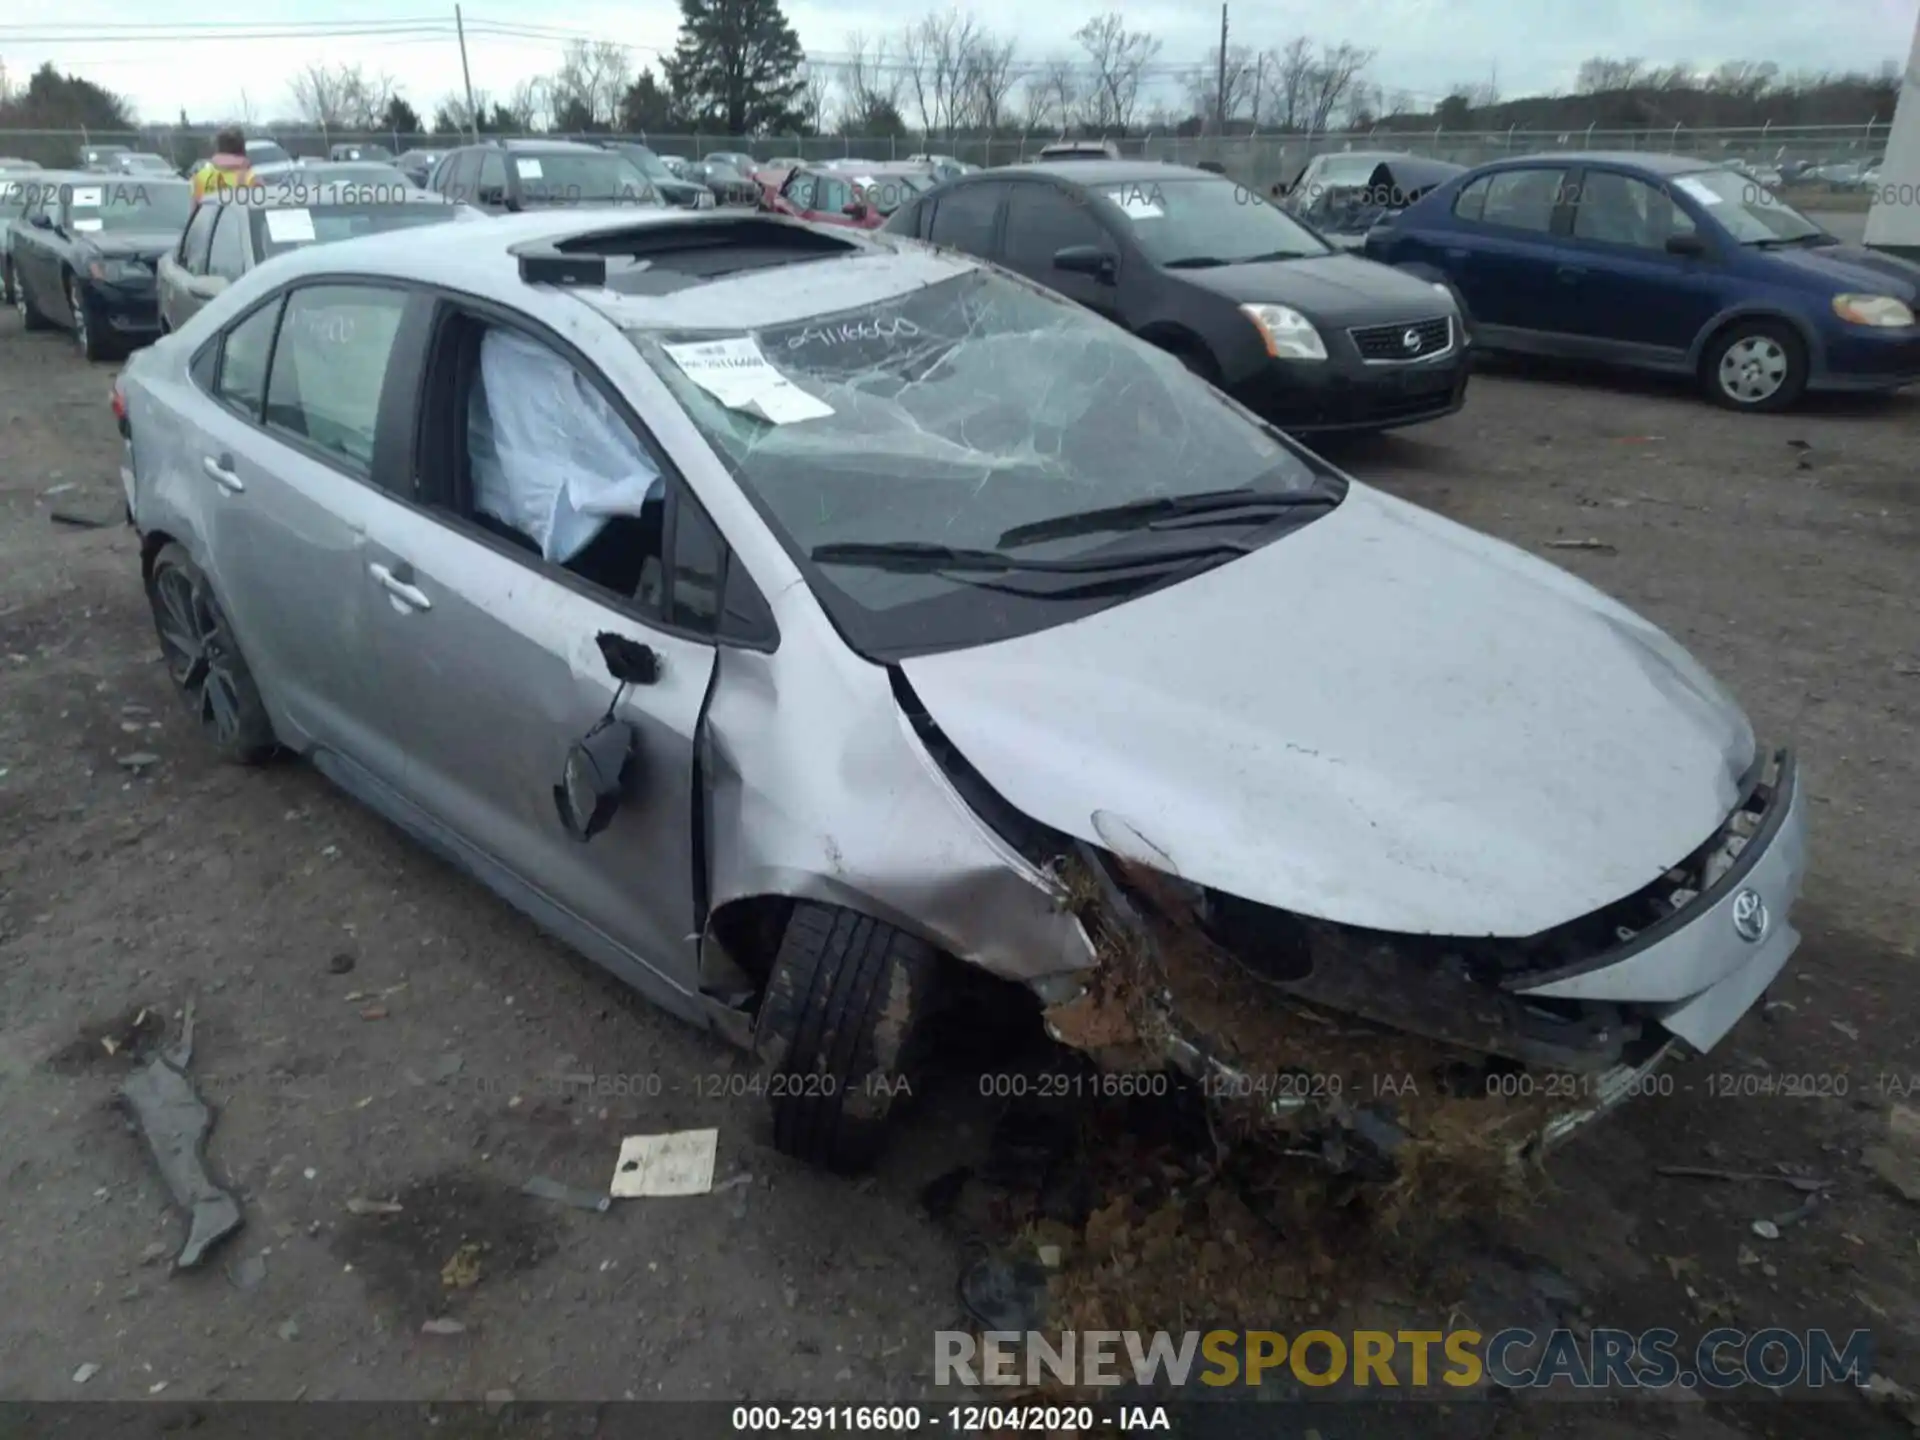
{"x": 330, "y": 367}
{"x": 1523, "y": 199}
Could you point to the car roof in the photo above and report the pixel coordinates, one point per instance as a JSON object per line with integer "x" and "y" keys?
{"x": 543, "y": 147}
{"x": 857, "y": 267}
{"x": 1093, "y": 172}
{"x": 1650, "y": 162}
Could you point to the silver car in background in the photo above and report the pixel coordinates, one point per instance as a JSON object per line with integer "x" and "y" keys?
{"x": 811, "y": 626}
{"x": 231, "y": 232}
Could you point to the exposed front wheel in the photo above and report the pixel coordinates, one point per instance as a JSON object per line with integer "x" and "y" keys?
{"x": 31, "y": 318}
{"x": 1755, "y": 365}
{"x": 204, "y": 661}
{"x": 86, "y": 334}
{"x": 842, "y": 1028}
{"x": 7, "y": 294}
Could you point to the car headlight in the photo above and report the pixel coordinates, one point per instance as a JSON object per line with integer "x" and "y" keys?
{"x": 1879, "y": 311}
{"x": 703, "y": 201}
{"x": 113, "y": 272}
{"x": 1289, "y": 334}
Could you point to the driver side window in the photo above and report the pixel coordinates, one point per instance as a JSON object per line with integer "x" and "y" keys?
{"x": 834, "y": 196}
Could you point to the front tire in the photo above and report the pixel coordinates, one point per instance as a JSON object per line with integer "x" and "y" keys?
{"x": 204, "y": 661}
{"x": 30, "y": 318}
{"x": 1758, "y": 366}
{"x": 7, "y": 294}
{"x": 842, "y": 1027}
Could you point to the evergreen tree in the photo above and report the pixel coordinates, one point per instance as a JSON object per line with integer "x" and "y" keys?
{"x": 736, "y": 67}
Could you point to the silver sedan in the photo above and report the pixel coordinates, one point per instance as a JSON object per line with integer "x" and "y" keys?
{"x": 802, "y": 622}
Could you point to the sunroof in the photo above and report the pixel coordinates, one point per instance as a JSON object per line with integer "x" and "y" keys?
{"x": 659, "y": 259}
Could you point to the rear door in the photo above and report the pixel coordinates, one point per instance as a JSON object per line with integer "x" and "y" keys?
{"x": 188, "y": 262}
{"x": 1633, "y": 299}
{"x": 291, "y": 478}
{"x": 499, "y": 642}
{"x": 1506, "y": 251}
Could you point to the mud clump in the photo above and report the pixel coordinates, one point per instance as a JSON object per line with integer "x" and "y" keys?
{"x": 112, "y": 1044}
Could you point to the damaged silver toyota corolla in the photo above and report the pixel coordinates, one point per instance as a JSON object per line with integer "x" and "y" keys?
{"x": 796, "y": 621}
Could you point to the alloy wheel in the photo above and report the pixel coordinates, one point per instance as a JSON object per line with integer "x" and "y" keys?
{"x": 1753, "y": 369}
{"x": 199, "y": 652}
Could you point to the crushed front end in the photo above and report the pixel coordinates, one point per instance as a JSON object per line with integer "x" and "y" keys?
{"x": 1354, "y": 1041}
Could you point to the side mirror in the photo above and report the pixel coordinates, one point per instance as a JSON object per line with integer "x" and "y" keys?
{"x": 1087, "y": 260}
{"x": 491, "y": 195}
{"x": 596, "y": 777}
{"x": 41, "y": 222}
{"x": 1690, "y": 245}
{"x": 631, "y": 662}
{"x": 856, "y": 210}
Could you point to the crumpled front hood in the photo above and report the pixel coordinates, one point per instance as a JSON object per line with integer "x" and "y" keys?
{"x": 1383, "y": 719}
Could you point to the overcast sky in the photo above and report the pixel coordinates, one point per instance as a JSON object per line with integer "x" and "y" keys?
{"x": 1423, "y": 46}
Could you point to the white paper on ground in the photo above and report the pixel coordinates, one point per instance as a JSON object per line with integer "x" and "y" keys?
{"x": 87, "y": 227}
{"x": 290, "y": 227}
{"x": 1697, "y": 190}
{"x": 677, "y": 1163}
{"x": 86, "y": 198}
{"x": 528, "y": 169}
{"x": 739, "y": 376}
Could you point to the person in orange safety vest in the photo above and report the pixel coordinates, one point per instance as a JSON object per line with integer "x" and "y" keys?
{"x": 229, "y": 167}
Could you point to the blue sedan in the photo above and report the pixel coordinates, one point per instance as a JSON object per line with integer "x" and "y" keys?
{"x": 1661, "y": 262}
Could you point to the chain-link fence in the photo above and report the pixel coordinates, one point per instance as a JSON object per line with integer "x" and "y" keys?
{"x": 1254, "y": 160}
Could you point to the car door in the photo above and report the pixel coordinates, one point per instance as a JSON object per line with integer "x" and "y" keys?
{"x": 293, "y": 479}
{"x": 499, "y": 642}
{"x": 967, "y": 217}
{"x": 1041, "y": 220}
{"x": 185, "y": 286}
{"x": 1504, "y": 250}
{"x": 1632, "y": 297}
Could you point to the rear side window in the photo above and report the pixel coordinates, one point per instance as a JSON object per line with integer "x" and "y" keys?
{"x": 330, "y": 367}
{"x": 963, "y": 218}
{"x": 800, "y": 191}
{"x": 1522, "y": 199}
{"x": 242, "y": 378}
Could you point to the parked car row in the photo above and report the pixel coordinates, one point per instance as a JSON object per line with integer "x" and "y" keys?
{"x": 880, "y": 596}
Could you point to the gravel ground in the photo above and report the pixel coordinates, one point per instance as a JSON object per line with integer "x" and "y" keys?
{"x": 374, "y": 1027}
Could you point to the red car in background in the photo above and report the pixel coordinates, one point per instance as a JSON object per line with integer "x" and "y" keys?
{"x": 862, "y": 198}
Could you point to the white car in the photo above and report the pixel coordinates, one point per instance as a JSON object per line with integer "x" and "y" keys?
{"x": 797, "y": 619}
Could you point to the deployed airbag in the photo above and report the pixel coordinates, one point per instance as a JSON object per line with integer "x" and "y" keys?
{"x": 550, "y": 456}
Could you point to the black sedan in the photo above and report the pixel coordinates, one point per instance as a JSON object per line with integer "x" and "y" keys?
{"x": 83, "y": 257}
{"x": 1248, "y": 298}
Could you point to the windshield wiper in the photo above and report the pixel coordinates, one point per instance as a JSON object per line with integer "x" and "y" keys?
{"x": 1195, "y": 262}
{"x": 1272, "y": 255}
{"x": 1161, "y": 512}
{"x": 916, "y": 556}
{"x": 1775, "y": 242}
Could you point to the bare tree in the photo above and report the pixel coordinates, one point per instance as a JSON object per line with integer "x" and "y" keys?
{"x": 586, "y": 90}
{"x": 1235, "y": 80}
{"x": 1334, "y": 74}
{"x": 1119, "y": 58}
{"x": 989, "y": 80}
{"x": 342, "y": 97}
{"x": 870, "y": 78}
{"x": 815, "y": 96}
{"x": 528, "y": 102}
{"x": 1293, "y": 77}
{"x": 1401, "y": 102}
{"x": 1745, "y": 78}
{"x": 1361, "y": 106}
{"x": 1059, "y": 83}
{"x": 1601, "y": 74}
{"x": 938, "y": 55}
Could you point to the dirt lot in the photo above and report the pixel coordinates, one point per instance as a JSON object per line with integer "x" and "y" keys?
{"x": 372, "y": 1026}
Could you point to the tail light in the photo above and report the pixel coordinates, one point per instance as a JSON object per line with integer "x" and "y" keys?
{"x": 120, "y": 409}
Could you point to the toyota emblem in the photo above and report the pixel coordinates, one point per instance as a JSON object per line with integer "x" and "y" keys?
{"x": 1411, "y": 340}
{"x": 1750, "y": 916}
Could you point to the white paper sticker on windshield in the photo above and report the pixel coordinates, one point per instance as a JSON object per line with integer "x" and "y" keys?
{"x": 739, "y": 376}
{"x": 88, "y": 226}
{"x": 528, "y": 169}
{"x": 1697, "y": 189}
{"x": 290, "y": 227}
{"x": 1136, "y": 204}
{"x": 87, "y": 198}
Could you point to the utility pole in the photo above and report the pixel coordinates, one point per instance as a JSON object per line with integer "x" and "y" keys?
{"x": 1220, "y": 82}
{"x": 466, "y": 75}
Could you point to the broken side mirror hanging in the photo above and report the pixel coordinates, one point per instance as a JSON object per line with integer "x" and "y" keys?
{"x": 597, "y": 776}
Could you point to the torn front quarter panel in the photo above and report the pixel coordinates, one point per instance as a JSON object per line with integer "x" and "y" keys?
{"x": 795, "y": 740}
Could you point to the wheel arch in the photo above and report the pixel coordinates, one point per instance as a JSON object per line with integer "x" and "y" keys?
{"x": 1734, "y": 315}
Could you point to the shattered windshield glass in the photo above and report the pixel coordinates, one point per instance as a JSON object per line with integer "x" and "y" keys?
{"x": 956, "y": 415}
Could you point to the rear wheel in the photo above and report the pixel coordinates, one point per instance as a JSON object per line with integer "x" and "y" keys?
{"x": 1755, "y": 365}
{"x": 86, "y": 334}
{"x": 31, "y": 318}
{"x": 7, "y": 295}
{"x": 204, "y": 661}
{"x": 842, "y": 1028}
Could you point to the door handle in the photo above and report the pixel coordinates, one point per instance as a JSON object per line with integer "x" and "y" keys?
{"x": 1569, "y": 273}
{"x": 408, "y": 595}
{"x": 220, "y": 471}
